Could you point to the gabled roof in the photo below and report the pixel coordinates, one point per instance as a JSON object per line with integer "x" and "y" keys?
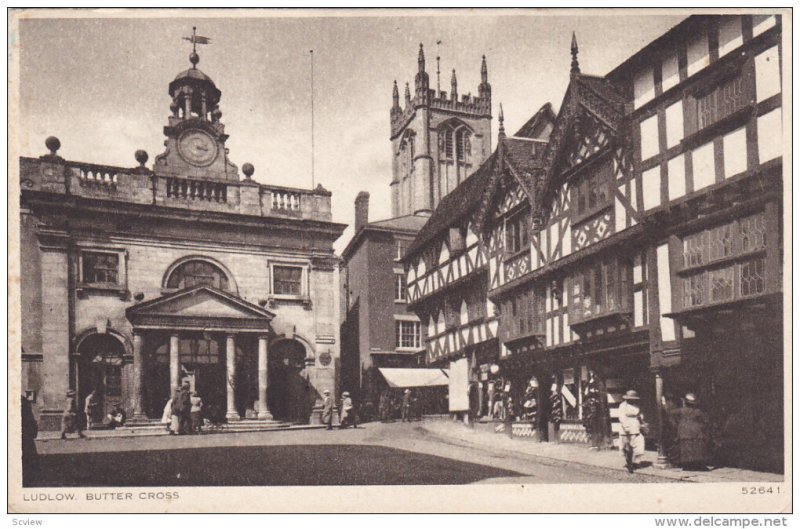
{"x": 200, "y": 307}
{"x": 594, "y": 95}
{"x": 453, "y": 206}
{"x": 536, "y": 126}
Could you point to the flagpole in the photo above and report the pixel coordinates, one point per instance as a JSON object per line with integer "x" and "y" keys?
{"x": 311, "y": 52}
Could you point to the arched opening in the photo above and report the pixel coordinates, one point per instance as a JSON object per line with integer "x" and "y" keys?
{"x": 455, "y": 155}
{"x": 288, "y": 392}
{"x": 100, "y": 368}
{"x": 198, "y": 272}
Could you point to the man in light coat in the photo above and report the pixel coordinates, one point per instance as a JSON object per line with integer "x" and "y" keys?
{"x": 327, "y": 410}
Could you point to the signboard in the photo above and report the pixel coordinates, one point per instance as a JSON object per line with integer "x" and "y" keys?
{"x": 458, "y": 387}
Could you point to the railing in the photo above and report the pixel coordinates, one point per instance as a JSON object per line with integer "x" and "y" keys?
{"x": 285, "y": 200}
{"x": 197, "y": 190}
{"x": 97, "y": 175}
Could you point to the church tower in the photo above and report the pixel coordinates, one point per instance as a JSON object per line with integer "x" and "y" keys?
{"x": 438, "y": 139}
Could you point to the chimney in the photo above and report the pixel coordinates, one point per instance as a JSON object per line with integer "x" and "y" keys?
{"x": 362, "y": 210}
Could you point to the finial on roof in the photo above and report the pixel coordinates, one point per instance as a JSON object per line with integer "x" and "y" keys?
{"x": 574, "y": 68}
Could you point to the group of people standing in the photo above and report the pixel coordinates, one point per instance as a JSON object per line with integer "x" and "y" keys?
{"x": 183, "y": 413}
{"x": 347, "y": 413}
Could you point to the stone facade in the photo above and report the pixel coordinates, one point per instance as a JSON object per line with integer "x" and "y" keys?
{"x": 135, "y": 280}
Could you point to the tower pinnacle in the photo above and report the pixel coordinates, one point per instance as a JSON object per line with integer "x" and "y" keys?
{"x": 574, "y": 67}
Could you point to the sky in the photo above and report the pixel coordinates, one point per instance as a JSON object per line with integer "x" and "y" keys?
{"x": 100, "y": 84}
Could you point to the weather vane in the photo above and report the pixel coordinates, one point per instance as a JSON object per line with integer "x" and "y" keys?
{"x": 196, "y": 39}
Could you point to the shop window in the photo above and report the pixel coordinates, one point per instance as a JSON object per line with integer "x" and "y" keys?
{"x": 730, "y": 34}
{"x": 407, "y": 334}
{"x": 648, "y": 130}
{"x": 697, "y": 53}
{"x": 287, "y": 280}
{"x": 643, "y": 87}
{"x": 722, "y": 101}
{"x": 400, "y": 287}
{"x": 196, "y": 273}
{"x": 517, "y": 232}
{"x": 670, "y": 74}
{"x": 770, "y": 136}
{"x": 768, "y": 74}
{"x": 100, "y": 268}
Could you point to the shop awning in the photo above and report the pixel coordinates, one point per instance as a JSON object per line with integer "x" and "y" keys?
{"x": 398, "y": 377}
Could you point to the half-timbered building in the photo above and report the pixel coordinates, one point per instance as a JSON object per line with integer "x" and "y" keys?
{"x": 654, "y": 257}
{"x": 448, "y": 264}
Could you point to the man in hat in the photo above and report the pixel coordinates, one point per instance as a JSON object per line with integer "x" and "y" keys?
{"x": 692, "y": 430}
{"x": 69, "y": 422}
{"x": 631, "y": 439}
{"x": 348, "y": 412}
{"x": 327, "y": 410}
{"x": 405, "y": 416}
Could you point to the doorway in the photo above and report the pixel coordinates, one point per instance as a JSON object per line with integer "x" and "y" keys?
{"x": 288, "y": 389}
{"x": 100, "y": 369}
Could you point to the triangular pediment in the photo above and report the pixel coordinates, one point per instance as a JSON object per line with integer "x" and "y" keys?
{"x": 200, "y": 302}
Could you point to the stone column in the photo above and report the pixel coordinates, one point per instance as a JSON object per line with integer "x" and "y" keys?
{"x": 263, "y": 379}
{"x": 138, "y": 376}
{"x": 174, "y": 365}
{"x": 230, "y": 358}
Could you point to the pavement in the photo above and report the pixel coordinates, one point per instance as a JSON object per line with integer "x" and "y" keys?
{"x": 484, "y": 436}
{"x": 425, "y": 452}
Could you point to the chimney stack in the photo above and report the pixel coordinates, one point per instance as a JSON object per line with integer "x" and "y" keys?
{"x": 362, "y": 210}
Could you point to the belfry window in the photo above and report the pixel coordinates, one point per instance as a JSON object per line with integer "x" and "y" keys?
{"x": 455, "y": 155}
{"x": 196, "y": 273}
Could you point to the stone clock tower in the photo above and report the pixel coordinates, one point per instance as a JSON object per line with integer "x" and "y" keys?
{"x": 195, "y": 137}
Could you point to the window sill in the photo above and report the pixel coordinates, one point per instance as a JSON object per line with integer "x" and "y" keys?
{"x": 578, "y": 218}
{"x": 84, "y": 289}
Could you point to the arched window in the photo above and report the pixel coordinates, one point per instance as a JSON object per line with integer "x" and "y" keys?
{"x": 198, "y": 272}
{"x": 455, "y": 155}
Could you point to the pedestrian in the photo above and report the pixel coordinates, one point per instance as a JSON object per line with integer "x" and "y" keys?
{"x": 185, "y": 414}
{"x": 348, "y": 411}
{"x": 327, "y": 410}
{"x": 405, "y": 415}
{"x": 69, "y": 419}
{"x": 633, "y": 426}
{"x": 90, "y": 405}
{"x": 116, "y": 417}
{"x": 30, "y": 457}
{"x": 196, "y": 413}
{"x": 166, "y": 416}
{"x": 691, "y": 426}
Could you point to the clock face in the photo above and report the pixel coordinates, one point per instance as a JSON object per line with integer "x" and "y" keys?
{"x": 197, "y": 148}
